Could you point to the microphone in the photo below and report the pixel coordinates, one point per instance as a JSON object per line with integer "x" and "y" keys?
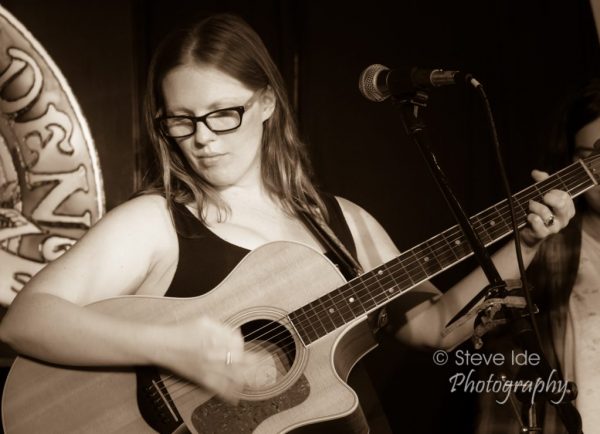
{"x": 378, "y": 82}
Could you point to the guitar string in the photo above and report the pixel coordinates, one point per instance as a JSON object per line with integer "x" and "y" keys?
{"x": 548, "y": 183}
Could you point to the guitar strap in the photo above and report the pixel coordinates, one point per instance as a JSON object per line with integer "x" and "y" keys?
{"x": 335, "y": 249}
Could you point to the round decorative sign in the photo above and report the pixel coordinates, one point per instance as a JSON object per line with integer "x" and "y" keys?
{"x": 50, "y": 181}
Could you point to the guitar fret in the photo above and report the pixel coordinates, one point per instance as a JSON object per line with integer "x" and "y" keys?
{"x": 346, "y": 306}
{"x": 367, "y": 300}
{"x": 388, "y": 286}
{"x": 303, "y": 323}
{"x": 336, "y": 309}
{"x": 319, "y": 326}
{"x": 353, "y": 301}
{"x": 427, "y": 259}
{"x": 522, "y": 208}
{"x": 561, "y": 184}
{"x": 325, "y": 315}
{"x": 379, "y": 277}
{"x": 464, "y": 248}
{"x": 325, "y": 322}
{"x": 540, "y": 194}
{"x": 453, "y": 240}
{"x": 488, "y": 224}
{"x": 479, "y": 229}
{"x": 434, "y": 254}
{"x": 499, "y": 224}
{"x": 444, "y": 253}
{"x": 457, "y": 242}
{"x": 310, "y": 334}
{"x": 399, "y": 273}
{"x": 416, "y": 270}
{"x": 405, "y": 273}
{"x": 333, "y": 310}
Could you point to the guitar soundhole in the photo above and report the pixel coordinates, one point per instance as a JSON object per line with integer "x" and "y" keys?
{"x": 276, "y": 350}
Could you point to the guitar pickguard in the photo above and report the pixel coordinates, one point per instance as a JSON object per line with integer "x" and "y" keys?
{"x": 217, "y": 416}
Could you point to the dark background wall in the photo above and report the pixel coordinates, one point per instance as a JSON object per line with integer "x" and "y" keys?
{"x": 529, "y": 56}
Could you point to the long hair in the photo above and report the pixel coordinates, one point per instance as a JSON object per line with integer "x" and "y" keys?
{"x": 229, "y": 44}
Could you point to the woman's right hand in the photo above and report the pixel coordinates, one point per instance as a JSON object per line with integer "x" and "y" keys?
{"x": 208, "y": 353}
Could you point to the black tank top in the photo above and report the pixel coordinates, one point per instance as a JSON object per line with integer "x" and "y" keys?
{"x": 205, "y": 259}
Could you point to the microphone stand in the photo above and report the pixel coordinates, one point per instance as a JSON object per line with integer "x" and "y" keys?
{"x": 497, "y": 290}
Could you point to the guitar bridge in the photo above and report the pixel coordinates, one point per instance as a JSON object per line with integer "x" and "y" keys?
{"x": 154, "y": 402}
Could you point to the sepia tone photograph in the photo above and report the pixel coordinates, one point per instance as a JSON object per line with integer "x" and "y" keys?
{"x": 290, "y": 216}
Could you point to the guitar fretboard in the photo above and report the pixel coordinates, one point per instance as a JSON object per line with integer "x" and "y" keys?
{"x": 377, "y": 287}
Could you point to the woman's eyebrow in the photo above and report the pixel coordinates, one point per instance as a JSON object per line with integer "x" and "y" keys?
{"x": 216, "y": 105}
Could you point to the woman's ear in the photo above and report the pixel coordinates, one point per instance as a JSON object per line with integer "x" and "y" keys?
{"x": 268, "y": 102}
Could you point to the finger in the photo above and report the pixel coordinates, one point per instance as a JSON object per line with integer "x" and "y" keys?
{"x": 538, "y": 228}
{"x": 230, "y": 366}
{"x": 561, "y": 203}
{"x": 233, "y": 345}
{"x": 237, "y": 340}
{"x": 539, "y": 175}
{"x": 543, "y": 212}
{"x": 222, "y": 343}
{"x": 223, "y": 355}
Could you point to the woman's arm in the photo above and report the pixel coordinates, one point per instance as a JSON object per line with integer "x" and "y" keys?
{"x": 125, "y": 250}
{"x": 113, "y": 258}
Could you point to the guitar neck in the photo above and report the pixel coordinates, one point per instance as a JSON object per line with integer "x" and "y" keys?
{"x": 379, "y": 286}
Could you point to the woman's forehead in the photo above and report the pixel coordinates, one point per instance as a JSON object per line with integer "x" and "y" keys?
{"x": 201, "y": 84}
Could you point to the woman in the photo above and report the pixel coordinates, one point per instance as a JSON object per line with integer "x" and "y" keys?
{"x": 234, "y": 177}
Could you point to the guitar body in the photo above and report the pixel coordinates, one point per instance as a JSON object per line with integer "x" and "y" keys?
{"x": 299, "y": 385}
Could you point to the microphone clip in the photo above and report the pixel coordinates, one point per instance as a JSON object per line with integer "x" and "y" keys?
{"x": 490, "y": 313}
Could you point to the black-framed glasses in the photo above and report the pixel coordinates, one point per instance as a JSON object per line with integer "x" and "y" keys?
{"x": 218, "y": 121}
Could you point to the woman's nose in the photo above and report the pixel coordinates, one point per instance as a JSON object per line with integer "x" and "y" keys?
{"x": 203, "y": 134}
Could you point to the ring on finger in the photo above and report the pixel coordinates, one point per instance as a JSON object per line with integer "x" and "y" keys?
{"x": 549, "y": 221}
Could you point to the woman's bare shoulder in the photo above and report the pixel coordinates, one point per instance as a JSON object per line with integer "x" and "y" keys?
{"x": 374, "y": 245}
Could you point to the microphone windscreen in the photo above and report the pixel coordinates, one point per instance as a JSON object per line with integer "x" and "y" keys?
{"x": 367, "y": 83}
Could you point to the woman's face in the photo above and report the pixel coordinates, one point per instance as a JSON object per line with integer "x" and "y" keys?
{"x": 587, "y": 140}
{"x": 224, "y": 159}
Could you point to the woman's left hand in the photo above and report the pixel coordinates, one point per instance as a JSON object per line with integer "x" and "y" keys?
{"x": 548, "y": 217}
